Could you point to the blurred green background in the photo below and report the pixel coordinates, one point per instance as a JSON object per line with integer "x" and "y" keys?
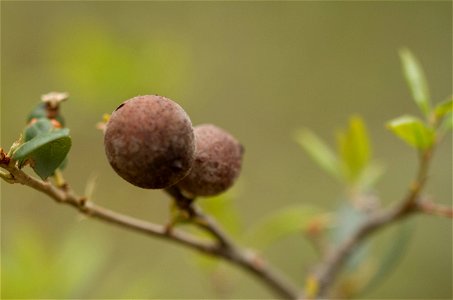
{"x": 261, "y": 70}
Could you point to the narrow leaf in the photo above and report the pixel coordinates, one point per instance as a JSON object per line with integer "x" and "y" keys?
{"x": 282, "y": 223}
{"x": 223, "y": 208}
{"x": 45, "y": 151}
{"x": 443, "y": 108}
{"x": 354, "y": 148}
{"x": 416, "y": 80}
{"x": 319, "y": 152}
{"x": 371, "y": 174}
{"x": 348, "y": 218}
{"x": 447, "y": 123}
{"x": 392, "y": 256}
{"x": 413, "y": 131}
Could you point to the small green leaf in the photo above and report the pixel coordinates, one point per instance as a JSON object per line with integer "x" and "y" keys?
{"x": 45, "y": 151}
{"x": 413, "y": 131}
{"x": 416, "y": 80}
{"x": 371, "y": 174}
{"x": 319, "y": 152}
{"x": 40, "y": 111}
{"x": 354, "y": 148}
{"x": 392, "y": 256}
{"x": 447, "y": 123}
{"x": 348, "y": 218}
{"x": 223, "y": 209}
{"x": 37, "y": 113}
{"x": 34, "y": 264}
{"x": 282, "y": 223}
{"x": 443, "y": 108}
{"x": 40, "y": 126}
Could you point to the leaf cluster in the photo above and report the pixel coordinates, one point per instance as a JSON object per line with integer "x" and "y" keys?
{"x": 45, "y": 144}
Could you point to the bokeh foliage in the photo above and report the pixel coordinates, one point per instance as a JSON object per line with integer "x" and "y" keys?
{"x": 261, "y": 70}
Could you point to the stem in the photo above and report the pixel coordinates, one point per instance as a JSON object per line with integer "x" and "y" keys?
{"x": 435, "y": 209}
{"x": 224, "y": 247}
{"x": 328, "y": 269}
{"x": 228, "y": 250}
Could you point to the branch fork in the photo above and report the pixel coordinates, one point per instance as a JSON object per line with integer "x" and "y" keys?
{"x": 222, "y": 246}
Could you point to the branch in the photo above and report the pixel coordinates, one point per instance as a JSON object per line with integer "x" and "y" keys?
{"x": 243, "y": 258}
{"x": 66, "y": 196}
{"x": 200, "y": 219}
{"x": 327, "y": 270}
{"x": 431, "y": 208}
{"x": 224, "y": 248}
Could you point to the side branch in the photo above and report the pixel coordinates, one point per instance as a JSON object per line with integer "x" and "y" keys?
{"x": 431, "y": 208}
{"x": 327, "y": 270}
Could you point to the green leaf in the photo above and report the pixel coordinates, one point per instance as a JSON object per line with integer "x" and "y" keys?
{"x": 34, "y": 265}
{"x": 45, "y": 151}
{"x": 319, "y": 152}
{"x": 391, "y": 257}
{"x": 348, "y": 218}
{"x": 73, "y": 284}
{"x": 416, "y": 80}
{"x": 354, "y": 148}
{"x": 63, "y": 164}
{"x": 371, "y": 174}
{"x": 37, "y": 113}
{"x": 40, "y": 126}
{"x": 447, "y": 123}
{"x": 40, "y": 111}
{"x": 443, "y": 108}
{"x": 26, "y": 262}
{"x": 413, "y": 131}
{"x": 282, "y": 223}
{"x": 223, "y": 209}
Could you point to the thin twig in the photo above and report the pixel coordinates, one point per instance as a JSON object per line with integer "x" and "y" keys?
{"x": 199, "y": 218}
{"x": 224, "y": 248}
{"x": 431, "y": 208}
{"x": 329, "y": 268}
{"x": 66, "y": 196}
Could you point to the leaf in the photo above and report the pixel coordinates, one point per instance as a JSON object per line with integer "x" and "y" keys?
{"x": 37, "y": 113}
{"x": 40, "y": 111}
{"x": 443, "y": 108}
{"x": 223, "y": 209}
{"x": 416, "y": 80}
{"x": 354, "y": 148}
{"x": 390, "y": 258}
{"x": 37, "y": 269}
{"x": 40, "y": 126}
{"x": 413, "y": 131}
{"x": 282, "y": 223}
{"x": 46, "y": 151}
{"x": 63, "y": 164}
{"x": 447, "y": 123}
{"x": 25, "y": 260}
{"x": 73, "y": 284}
{"x": 371, "y": 174}
{"x": 347, "y": 219}
{"x": 319, "y": 152}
